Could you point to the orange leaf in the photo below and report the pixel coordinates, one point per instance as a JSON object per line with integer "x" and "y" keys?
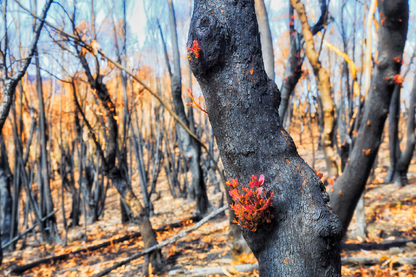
{"x": 95, "y": 47}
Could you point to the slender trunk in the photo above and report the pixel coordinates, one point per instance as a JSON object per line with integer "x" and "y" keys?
{"x": 403, "y": 163}
{"x": 394, "y": 144}
{"x": 324, "y": 85}
{"x": 191, "y": 152}
{"x": 265, "y": 38}
{"x": 6, "y": 199}
{"x": 230, "y": 51}
{"x": 138, "y": 150}
{"x": 293, "y": 65}
{"x": 360, "y": 221}
{"x": 44, "y": 169}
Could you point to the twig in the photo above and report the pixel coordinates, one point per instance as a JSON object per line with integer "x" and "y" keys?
{"x": 28, "y": 229}
{"x": 160, "y": 245}
{"x": 377, "y": 260}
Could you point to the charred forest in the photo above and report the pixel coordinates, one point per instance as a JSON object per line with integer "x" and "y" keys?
{"x": 207, "y": 138}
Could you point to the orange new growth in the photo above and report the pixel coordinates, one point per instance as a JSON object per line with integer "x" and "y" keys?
{"x": 398, "y": 79}
{"x": 195, "y": 104}
{"x": 320, "y": 175}
{"x": 252, "y": 208}
{"x": 195, "y": 49}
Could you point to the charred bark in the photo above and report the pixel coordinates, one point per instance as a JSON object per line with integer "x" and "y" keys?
{"x": 47, "y": 202}
{"x": 403, "y": 163}
{"x": 394, "y": 143}
{"x": 243, "y": 109}
{"x": 392, "y": 37}
{"x": 6, "y": 199}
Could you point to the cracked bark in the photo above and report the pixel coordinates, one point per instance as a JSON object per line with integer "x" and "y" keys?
{"x": 243, "y": 110}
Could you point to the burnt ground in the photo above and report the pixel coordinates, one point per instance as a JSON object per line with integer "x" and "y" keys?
{"x": 390, "y": 214}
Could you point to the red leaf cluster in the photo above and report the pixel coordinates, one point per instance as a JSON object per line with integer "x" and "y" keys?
{"x": 398, "y": 79}
{"x": 195, "y": 49}
{"x": 252, "y": 208}
{"x": 320, "y": 175}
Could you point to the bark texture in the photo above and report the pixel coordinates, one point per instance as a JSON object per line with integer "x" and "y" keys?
{"x": 243, "y": 109}
{"x": 324, "y": 86}
{"x": 392, "y": 37}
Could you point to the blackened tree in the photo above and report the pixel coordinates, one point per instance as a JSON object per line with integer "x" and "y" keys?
{"x": 242, "y": 105}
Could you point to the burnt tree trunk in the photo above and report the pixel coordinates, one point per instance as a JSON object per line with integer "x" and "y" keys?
{"x": 403, "y": 163}
{"x": 44, "y": 168}
{"x": 243, "y": 109}
{"x": 6, "y": 200}
{"x": 293, "y": 65}
{"x": 392, "y": 37}
{"x": 394, "y": 143}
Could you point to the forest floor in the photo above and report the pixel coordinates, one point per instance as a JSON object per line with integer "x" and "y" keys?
{"x": 390, "y": 214}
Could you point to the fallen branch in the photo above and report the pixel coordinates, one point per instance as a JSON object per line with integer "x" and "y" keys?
{"x": 221, "y": 270}
{"x": 28, "y": 229}
{"x": 377, "y": 260}
{"x": 160, "y": 245}
{"x": 384, "y": 245}
{"x": 23, "y": 268}
{"x": 217, "y": 270}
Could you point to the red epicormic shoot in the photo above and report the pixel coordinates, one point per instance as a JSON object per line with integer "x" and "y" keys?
{"x": 320, "y": 175}
{"x": 398, "y": 79}
{"x": 195, "y": 104}
{"x": 252, "y": 208}
{"x": 195, "y": 49}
